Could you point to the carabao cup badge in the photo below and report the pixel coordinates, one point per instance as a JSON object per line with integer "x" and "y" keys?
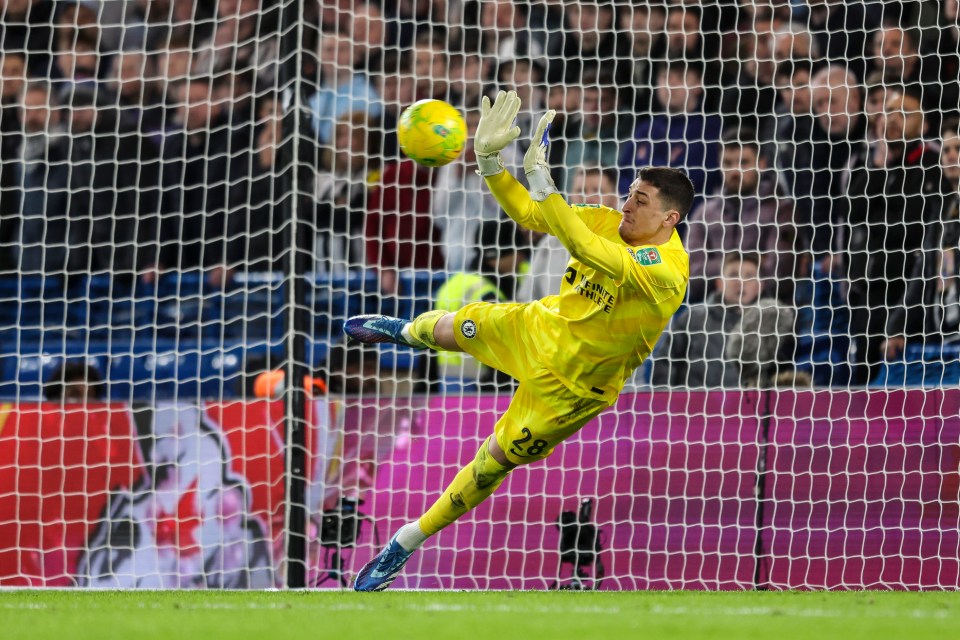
{"x": 468, "y": 328}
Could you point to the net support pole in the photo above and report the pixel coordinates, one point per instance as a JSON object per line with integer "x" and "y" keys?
{"x": 760, "y": 579}
{"x": 296, "y": 267}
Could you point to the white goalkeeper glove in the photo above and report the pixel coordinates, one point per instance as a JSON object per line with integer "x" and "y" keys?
{"x": 535, "y": 161}
{"x": 495, "y": 131}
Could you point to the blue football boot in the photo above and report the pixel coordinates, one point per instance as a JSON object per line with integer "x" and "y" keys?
{"x": 377, "y": 574}
{"x": 376, "y": 328}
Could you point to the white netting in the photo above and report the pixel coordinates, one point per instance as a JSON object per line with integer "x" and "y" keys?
{"x": 796, "y": 426}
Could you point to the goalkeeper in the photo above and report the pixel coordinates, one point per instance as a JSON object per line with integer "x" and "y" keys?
{"x": 571, "y": 353}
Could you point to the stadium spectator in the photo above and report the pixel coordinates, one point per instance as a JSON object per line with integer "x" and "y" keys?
{"x": 589, "y": 37}
{"x": 461, "y": 204}
{"x": 342, "y": 189}
{"x": 643, "y": 49}
{"x": 749, "y": 100}
{"x": 896, "y": 54}
{"x": 499, "y": 258}
{"x": 157, "y": 24}
{"x": 931, "y": 306}
{"x": 948, "y": 53}
{"x": 894, "y": 199}
{"x": 504, "y": 30}
{"x": 13, "y": 74}
{"x": 397, "y": 87}
{"x": 12, "y": 78}
{"x": 410, "y": 18}
{"x": 430, "y": 67}
{"x": 174, "y": 63}
{"x": 795, "y": 122}
{"x": 679, "y": 134}
{"x": 76, "y": 59}
{"x": 793, "y": 83}
{"x": 564, "y": 98}
{"x": 591, "y": 185}
{"x": 470, "y": 71}
{"x": 818, "y": 173}
{"x": 42, "y": 177}
{"x": 111, "y": 200}
{"x": 841, "y": 30}
{"x": 683, "y": 33}
{"x": 342, "y": 87}
{"x": 26, "y": 26}
{"x": 525, "y": 76}
{"x": 132, "y": 82}
{"x": 253, "y": 243}
{"x": 687, "y": 42}
{"x": 747, "y": 215}
{"x": 200, "y": 162}
{"x": 876, "y": 97}
{"x": 75, "y": 382}
{"x": 399, "y": 228}
{"x": 600, "y": 133}
{"x": 242, "y": 39}
{"x": 735, "y": 338}
{"x": 369, "y": 34}
{"x": 793, "y": 43}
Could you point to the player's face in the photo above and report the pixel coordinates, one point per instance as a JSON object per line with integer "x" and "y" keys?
{"x": 36, "y": 112}
{"x": 643, "y": 214}
{"x": 740, "y": 283}
{"x": 740, "y": 168}
{"x": 902, "y": 119}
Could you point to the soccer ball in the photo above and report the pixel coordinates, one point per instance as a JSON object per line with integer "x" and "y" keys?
{"x": 431, "y": 133}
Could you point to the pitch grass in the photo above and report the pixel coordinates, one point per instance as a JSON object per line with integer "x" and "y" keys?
{"x": 180, "y": 615}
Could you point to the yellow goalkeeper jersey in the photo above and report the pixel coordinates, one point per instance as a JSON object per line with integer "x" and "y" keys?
{"x": 614, "y": 302}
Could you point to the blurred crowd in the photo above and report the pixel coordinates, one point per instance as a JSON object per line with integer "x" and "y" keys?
{"x": 822, "y": 137}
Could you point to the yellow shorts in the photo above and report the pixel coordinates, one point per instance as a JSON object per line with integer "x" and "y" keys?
{"x": 543, "y": 412}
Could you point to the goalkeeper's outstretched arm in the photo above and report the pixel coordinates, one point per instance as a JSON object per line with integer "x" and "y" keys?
{"x": 541, "y": 208}
{"x": 495, "y": 131}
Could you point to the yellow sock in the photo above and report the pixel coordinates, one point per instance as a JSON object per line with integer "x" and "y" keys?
{"x": 473, "y": 484}
{"x": 423, "y": 325}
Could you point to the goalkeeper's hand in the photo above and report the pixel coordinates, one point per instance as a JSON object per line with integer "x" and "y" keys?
{"x": 535, "y": 160}
{"x": 495, "y": 131}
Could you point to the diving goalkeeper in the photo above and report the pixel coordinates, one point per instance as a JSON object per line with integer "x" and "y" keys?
{"x": 571, "y": 353}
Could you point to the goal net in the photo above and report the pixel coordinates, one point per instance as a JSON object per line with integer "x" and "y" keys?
{"x": 195, "y": 195}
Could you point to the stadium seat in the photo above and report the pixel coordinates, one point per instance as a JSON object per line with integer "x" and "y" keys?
{"x": 823, "y": 322}
{"x": 182, "y": 339}
{"x": 922, "y": 365}
{"x": 331, "y": 299}
{"x": 415, "y": 292}
{"x": 252, "y": 306}
{"x": 32, "y": 308}
{"x": 24, "y": 374}
{"x": 187, "y": 305}
{"x": 110, "y": 308}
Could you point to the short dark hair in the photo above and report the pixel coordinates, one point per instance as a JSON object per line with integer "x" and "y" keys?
{"x": 594, "y": 169}
{"x": 787, "y": 69}
{"x": 740, "y": 137}
{"x": 741, "y": 256}
{"x": 950, "y": 127}
{"x": 74, "y": 371}
{"x": 675, "y": 188}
